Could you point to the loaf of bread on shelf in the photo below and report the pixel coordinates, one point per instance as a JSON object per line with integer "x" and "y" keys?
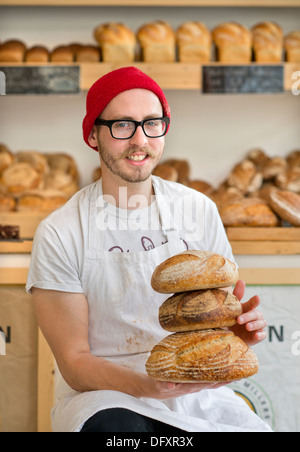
{"x": 62, "y": 54}
{"x": 245, "y": 177}
{"x": 7, "y": 201}
{"x": 87, "y": 54}
{"x": 6, "y": 158}
{"x": 293, "y": 159}
{"x": 59, "y": 180}
{"x": 19, "y": 177}
{"x": 213, "y": 355}
{"x": 63, "y": 162}
{"x": 37, "y": 54}
{"x": 201, "y": 186}
{"x": 225, "y": 194}
{"x": 41, "y": 201}
{"x": 166, "y": 172}
{"x": 36, "y": 159}
{"x": 199, "y": 310}
{"x": 287, "y": 205}
{"x": 117, "y": 42}
{"x": 194, "y": 270}
{"x": 258, "y": 157}
{"x": 292, "y": 47}
{"x": 267, "y": 42}
{"x": 182, "y": 167}
{"x": 273, "y": 167}
{"x": 233, "y": 42}
{"x": 12, "y": 51}
{"x": 289, "y": 180}
{"x": 251, "y": 212}
{"x": 194, "y": 42}
{"x": 158, "y": 42}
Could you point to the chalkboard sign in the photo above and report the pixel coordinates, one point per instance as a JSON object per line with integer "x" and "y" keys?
{"x": 42, "y": 79}
{"x": 252, "y": 79}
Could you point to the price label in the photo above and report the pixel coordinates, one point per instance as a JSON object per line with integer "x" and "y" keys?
{"x": 41, "y": 79}
{"x": 252, "y": 79}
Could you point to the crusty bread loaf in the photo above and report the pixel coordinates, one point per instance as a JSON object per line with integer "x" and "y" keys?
{"x": 293, "y": 159}
{"x": 6, "y": 158}
{"x": 166, "y": 172}
{"x": 36, "y": 159}
{"x": 62, "y": 54}
{"x": 289, "y": 180}
{"x": 287, "y": 205}
{"x": 87, "y": 54}
{"x": 202, "y": 356}
{"x": 267, "y": 42}
{"x": 194, "y": 43}
{"x": 117, "y": 42}
{"x": 158, "y": 42}
{"x": 41, "y": 201}
{"x": 233, "y": 42}
{"x": 251, "y": 212}
{"x": 199, "y": 310}
{"x": 19, "y": 177}
{"x": 194, "y": 270}
{"x": 7, "y": 201}
{"x": 292, "y": 47}
{"x": 245, "y": 177}
{"x": 37, "y": 54}
{"x": 12, "y": 51}
{"x": 182, "y": 167}
{"x": 201, "y": 186}
{"x": 274, "y": 167}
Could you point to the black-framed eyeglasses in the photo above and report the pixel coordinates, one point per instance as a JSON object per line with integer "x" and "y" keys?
{"x": 124, "y": 129}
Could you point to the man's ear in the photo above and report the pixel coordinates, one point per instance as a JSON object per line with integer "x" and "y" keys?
{"x": 93, "y": 137}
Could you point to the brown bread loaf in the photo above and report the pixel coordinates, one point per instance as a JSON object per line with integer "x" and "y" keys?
{"x": 199, "y": 310}
{"x": 194, "y": 270}
{"x": 202, "y": 356}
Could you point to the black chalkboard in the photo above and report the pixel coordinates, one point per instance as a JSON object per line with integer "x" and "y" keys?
{"x": 42, "y": 79}
{"x": 252, "y": 79}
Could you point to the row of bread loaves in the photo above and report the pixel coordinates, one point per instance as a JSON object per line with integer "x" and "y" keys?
{"x": 201, "y": 348}
{"x": 32, "y": 181}
{"x": 261, "y": 191}
{"x": 160, "y": 43}
{"x": 16, "y": 51}
{"x": 234, "y": 42}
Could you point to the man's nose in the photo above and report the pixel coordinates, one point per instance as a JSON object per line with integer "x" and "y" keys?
{"x": 139, "y": 138}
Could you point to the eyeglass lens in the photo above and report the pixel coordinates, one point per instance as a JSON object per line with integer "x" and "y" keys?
{"x": 125, "y": 129}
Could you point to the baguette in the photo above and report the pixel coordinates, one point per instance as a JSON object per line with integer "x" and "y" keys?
{"x": 194, "y": 270}
{"x": 202, "y": 356}
{"x": 199, "y": 310}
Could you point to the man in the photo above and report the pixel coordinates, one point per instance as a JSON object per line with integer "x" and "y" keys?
{"x": 91, "y": 268}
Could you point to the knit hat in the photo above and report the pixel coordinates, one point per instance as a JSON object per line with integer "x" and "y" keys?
{"x": 112, "y": 84}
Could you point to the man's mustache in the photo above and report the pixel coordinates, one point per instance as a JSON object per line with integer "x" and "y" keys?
{"x": 133, "y": 150}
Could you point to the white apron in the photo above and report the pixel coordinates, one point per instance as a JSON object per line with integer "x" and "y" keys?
{"x": 124, "y": 327}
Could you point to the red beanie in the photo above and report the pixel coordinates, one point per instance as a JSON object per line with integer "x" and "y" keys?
{"x": 112, "y": 84}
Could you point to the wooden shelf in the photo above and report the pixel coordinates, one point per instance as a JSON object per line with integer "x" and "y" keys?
{"x": 173, "y": 76}
{"x": 264, "y": 241}
{"x": 140, "y": 3}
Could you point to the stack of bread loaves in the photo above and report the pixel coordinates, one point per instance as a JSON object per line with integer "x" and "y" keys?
{"x": 201, "y": 349}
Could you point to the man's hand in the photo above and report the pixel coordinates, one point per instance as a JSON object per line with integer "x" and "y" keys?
{"x": 251, "y": 323}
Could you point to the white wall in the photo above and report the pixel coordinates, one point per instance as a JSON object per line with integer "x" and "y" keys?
{"x": 212, "y": 132}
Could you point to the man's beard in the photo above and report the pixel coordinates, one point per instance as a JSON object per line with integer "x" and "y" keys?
{"x": 137, "y": 174}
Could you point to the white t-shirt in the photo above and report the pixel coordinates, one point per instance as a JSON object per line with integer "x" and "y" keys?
{"x": 61, "y": 239}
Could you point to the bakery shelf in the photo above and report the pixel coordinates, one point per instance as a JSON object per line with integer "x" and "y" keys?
{"x": 264, "y": 241}
{"x": 173, "y": 76}
{"x": 185, "y": 3}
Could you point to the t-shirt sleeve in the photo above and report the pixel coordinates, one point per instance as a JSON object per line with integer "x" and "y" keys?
{"x": 50, "y": 267}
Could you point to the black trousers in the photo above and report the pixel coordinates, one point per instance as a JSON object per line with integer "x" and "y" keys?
{"x": 122, "y": 420}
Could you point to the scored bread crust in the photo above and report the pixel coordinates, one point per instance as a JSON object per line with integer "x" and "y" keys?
{"x": 199, "y": 310}
{"x": 194, "y": 270}
{"x": 202, "y": 356}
